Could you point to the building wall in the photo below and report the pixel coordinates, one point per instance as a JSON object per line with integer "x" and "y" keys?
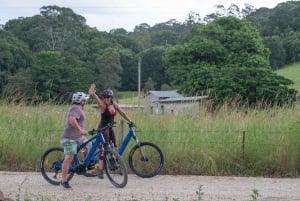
{"x": 183, "y": 107}
{"x": 175, "y": 107}
{"x": 149, "y": 99}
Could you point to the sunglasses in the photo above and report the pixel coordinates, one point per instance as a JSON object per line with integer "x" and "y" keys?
{"x": 106, "y": 96}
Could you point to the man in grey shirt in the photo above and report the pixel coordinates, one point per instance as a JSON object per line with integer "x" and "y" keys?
{"x": 73, "y": 134}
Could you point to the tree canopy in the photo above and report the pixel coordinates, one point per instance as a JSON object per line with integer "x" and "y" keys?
{"x": 56, "y": 52}
{"x": 227, "y": 60}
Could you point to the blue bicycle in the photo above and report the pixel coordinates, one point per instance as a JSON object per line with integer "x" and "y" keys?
{"x": 114, "y": 166}
{"x": 145, "y": 159}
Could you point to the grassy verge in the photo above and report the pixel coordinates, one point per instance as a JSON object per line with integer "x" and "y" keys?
{"x": 253, "y": 143}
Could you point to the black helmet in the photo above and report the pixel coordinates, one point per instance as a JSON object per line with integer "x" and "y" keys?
{"x": 108, "y": 92}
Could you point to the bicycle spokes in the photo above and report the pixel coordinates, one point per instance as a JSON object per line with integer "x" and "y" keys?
{"x": 146, "y": 159}
{"x": 51, "y": 163}
{"x": 115, "y": 168}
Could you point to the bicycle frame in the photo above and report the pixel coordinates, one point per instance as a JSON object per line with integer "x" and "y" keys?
{"x": 125, "y": 142}
{"x": 145, "y": 159}
{"x": 99, "y": 141}
{"x": 114, "y": 166}
{"x": 130, "y": 134}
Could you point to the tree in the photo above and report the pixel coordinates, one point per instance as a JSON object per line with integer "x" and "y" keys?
{"x": 278, "y": 52}
{"x": 55, "y": 78}
{"x": 228, "y": 61}
{"x": 291, "y": 42}
{"x": 149, "y": 85}
{"x": 193, "y": 18}
{"x": 109, "y": 68}
{"x": 129, "y": 62}
{"x": 152, "y": 66}
{"x": 14, "y": 56}
{"x": 142, "y": 35}
{"x": 280, "y": 23}
{"x": 163, "y": 38}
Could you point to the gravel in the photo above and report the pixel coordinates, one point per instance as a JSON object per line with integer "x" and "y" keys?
{"x": 31, "y": 186}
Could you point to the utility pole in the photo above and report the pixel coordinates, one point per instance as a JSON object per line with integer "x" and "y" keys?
{"x": 139, "y": 80}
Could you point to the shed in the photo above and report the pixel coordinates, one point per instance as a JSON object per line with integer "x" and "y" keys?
{"x": 154, "y": 96}
{"x": 191, "y": 105}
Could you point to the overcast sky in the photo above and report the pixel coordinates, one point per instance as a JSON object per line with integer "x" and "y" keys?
{"x": 111, "y": 14}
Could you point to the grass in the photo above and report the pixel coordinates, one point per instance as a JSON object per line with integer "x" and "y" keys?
{"x": 291, "y": 72}
{"x": 249, "y": 143}
{"x": 256, "y": 143}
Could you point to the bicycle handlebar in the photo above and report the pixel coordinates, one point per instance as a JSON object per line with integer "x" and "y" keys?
{"x": 131, "y": 124}
{"x": 93, "y": 131}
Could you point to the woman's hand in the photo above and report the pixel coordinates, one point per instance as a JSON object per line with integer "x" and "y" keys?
{"x": 92, "y": 89}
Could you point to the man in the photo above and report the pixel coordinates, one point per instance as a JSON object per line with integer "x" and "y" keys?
{"x": 73, "y": 134}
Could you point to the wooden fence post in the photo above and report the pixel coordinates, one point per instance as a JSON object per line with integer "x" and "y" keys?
{"x": 243, "y": 144}
{"x": 121, "y": 131}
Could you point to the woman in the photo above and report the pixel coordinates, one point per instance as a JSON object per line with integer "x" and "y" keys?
{"x": 108, "y": 109}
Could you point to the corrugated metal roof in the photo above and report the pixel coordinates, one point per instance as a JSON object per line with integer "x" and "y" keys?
{"x": 191, "y": 98}
{"x": 165, "y": 94}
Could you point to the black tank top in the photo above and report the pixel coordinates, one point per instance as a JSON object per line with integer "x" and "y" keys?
{"x": 107, "y": 118}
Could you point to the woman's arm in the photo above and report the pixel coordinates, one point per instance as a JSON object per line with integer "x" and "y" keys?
{"x": 121, "y": 112}
{"x": 100, "y": 103}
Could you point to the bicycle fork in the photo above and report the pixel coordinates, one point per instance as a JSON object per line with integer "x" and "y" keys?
{"x": 143, "y": 156}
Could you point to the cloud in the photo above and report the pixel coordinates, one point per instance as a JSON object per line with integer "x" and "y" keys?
{"x": 110, "y": 14}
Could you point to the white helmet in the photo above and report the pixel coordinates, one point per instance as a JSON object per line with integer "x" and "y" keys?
{"x": 79, "y": 96}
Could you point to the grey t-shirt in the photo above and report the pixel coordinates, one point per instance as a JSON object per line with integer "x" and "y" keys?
{"x": 70, "y": 132}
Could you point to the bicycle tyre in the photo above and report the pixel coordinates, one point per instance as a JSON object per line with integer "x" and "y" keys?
{"x": 152, "y": 165}
{"x": 50, "y": 165}
{"x": 115, "y": 168}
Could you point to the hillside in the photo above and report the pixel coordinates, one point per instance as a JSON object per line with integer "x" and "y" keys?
{"x": 291, "y": 72}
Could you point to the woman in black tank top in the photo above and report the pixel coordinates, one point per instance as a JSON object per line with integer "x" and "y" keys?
{"x": 108, "y": 109}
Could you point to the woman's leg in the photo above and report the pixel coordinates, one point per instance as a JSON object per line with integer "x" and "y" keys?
{"x": 105, "y": 134}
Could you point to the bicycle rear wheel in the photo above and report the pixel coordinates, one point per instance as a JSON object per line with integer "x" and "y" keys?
{"x": 115, "y": 168}
{"x": 146, "y": 160}
{"x": 51, "y": 163}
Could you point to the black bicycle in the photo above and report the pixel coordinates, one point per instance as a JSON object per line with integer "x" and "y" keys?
{"x": 114, "y": 166}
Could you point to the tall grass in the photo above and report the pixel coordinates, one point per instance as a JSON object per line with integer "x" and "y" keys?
{"x": 291, "y": 72}
{"x": 251, "y": 142}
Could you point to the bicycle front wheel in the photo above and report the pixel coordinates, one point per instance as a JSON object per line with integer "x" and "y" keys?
{"x": 115, "y": 168}
{"x": 146, "y": 159}
{"x": 51, "y": 164}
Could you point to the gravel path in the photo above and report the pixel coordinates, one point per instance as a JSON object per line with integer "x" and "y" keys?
{"x": 31, "y": 186}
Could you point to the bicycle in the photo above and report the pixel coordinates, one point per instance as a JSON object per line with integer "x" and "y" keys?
{"x": 145, "y": 159}
{"x": 114, "y": 166}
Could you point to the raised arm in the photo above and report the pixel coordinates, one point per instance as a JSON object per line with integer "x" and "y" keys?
{"x": 92, "y": 92}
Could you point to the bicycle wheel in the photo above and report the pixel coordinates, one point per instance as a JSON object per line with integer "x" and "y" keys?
{"x": 115, "y": 168}
{"x": 146, "y": 160}
{"x": 51, "y": 163}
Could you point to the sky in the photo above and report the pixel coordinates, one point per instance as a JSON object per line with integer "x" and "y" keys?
{"x": 106, "y": 15}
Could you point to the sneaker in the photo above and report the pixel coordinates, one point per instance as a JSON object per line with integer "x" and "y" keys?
{"x": 65, "y": 185}
{"x": 91, "y": 165}
{"x": 100, "y": 174}
{"x": 92, "y": 171}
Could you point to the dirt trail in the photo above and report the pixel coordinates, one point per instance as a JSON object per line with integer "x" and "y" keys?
{"x": 160, "y": 188}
